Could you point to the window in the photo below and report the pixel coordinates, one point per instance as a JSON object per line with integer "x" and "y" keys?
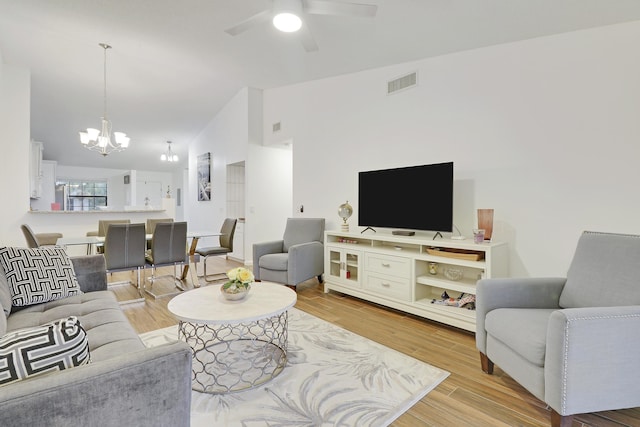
{"x": 82, "y": 194}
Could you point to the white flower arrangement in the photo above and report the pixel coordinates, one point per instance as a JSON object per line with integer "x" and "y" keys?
{"x": 240, "y": 280}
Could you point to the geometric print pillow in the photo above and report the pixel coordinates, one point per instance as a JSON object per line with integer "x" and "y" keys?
{"x": 42, "y": 349}
{"x": 37, "y": 275}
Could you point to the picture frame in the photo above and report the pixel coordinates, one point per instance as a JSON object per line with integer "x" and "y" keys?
{"x": 204, "y": 177}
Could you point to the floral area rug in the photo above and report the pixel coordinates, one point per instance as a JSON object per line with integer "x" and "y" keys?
{"x": 333, "y": 377}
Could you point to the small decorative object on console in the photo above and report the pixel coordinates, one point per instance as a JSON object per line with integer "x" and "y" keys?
{"x": 345, "y": 211}
{"x": 454, "y": 274}
{"x": 238, "y": 285}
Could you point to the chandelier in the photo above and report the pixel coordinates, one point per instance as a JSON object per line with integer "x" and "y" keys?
{"x": 168, "y": 155}
{"x": 100, "y": 140}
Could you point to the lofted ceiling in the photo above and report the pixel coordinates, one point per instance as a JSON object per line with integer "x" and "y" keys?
{"x": 173, "y": 67}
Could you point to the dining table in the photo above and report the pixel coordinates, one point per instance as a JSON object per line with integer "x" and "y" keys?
{"x": 92, "y": 241}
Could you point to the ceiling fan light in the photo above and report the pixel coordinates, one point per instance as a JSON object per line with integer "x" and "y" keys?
{"x": 287, "y": 22}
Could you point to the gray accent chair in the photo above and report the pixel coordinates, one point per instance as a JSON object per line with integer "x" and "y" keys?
{"x": 124, "y": 250}
{"x": 572, "y": 342}
{"x": 227, "y": 231}
{"x": 168, "y": 248}
{"x": 299, "y": 256}
{"x": 41, "y": 239}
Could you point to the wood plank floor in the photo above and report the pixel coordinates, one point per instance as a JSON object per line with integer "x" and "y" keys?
{"x": 468, "y": 397}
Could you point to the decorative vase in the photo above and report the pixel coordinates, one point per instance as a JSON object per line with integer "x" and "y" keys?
{"x": 485, "y": 222}
{"x": 232, "y": 292}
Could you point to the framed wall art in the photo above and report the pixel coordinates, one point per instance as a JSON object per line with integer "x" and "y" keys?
{"x": 204, "y": 177}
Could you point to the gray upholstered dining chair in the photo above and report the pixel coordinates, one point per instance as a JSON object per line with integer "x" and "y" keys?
{"x": 124, "y": 249}
{"x": 572, "y": 342}
{"x": 151, "y": 223}
{"x": 299, "y": 256}
{"x": 227, "y": 231}
{"x": 40, "y": 239}
{"x": 168, "y": 248}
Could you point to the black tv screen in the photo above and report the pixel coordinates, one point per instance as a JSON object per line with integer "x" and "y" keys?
{"x": 413, "y": 198}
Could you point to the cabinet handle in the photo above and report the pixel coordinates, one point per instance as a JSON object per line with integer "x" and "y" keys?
{"x": 386, "y": 285}
{"x": 386, "y": 265}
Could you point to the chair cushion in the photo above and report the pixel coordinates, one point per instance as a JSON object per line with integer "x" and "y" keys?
{"x": 604, "y": 272}
{"x": 37, "y": 275}
{"x": 42, "y": 349}
{"x": 524, "y": 330}
{"x": 214, "y": 250}
{"x": 274, "y": 261}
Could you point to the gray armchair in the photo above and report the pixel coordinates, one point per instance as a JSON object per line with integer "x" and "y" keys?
{"x": 299, "y": 256}
{"x": 572, "y": 342}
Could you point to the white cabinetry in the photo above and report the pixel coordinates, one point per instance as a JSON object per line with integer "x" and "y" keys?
{"x": 409, "y": 273}
{"x": 238, "y": 243}
{"x": 35, "y": 170}
{"x": 343, "y": 266}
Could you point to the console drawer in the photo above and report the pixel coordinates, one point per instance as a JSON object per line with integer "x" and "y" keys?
{"x": 389, "y": 286}
{"x": 389, "y": 265}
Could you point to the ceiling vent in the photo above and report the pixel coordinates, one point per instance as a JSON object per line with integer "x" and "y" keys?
{"x": 402, "y": 83}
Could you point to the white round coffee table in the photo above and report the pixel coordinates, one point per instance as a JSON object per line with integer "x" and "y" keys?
{"x": 236, "y": 345}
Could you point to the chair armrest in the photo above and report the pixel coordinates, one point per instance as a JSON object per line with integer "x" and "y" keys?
{"x": 591, "y": 361}
{"x": 150, "y": 387}
{"x": 529, "y": 292}
{"x": 306, "y": 260}
{"x": 264, "y": 248}
{"x": 91, "y": 272}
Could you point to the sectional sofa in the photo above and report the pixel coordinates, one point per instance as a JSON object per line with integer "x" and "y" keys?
{"x": 123, "y": 383}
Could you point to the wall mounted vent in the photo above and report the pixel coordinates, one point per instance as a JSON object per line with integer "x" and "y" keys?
{"x": 402, "y": 83}
{"x": 275, "y": 127}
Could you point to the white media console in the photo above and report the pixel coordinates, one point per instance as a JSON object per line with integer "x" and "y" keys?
{"x": 398, "y": 271}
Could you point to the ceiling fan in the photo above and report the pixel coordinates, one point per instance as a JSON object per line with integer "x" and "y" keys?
{"x": 287, "y": 16}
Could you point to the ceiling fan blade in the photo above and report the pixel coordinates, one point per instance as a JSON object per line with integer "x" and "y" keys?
{"x": 327, "y": 7}
{"x": 307, "y": 40}
{"x": 252, "y": 21}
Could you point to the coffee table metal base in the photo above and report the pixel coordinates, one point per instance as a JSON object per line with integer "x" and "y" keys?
{"x": 235, "y": 357}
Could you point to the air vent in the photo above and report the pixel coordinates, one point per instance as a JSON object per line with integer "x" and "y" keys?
{"x": 402, "y": 83}
{"x": 276, "y": 127}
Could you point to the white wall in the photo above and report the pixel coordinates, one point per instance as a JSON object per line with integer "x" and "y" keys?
{"x": 235, "y": 135}
{"x": 14, "y": 140}
{"x": 545, "y": 131}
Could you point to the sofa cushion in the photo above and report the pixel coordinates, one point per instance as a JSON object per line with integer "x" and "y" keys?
{"x": 604, "y": 271}
{"x": 43, "y": 349}
{"x": 108, "y": 329}
{"x": 525, "y": 331}
{"x": 37, "y": 275}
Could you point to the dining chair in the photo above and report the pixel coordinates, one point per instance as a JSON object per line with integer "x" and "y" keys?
{"x": 124, "y": 249}
{"x": 151, "y": 223}
{"x": 168, "y": 248}
{"x": 227, "y": 232}
{"x": 40, "y": 239}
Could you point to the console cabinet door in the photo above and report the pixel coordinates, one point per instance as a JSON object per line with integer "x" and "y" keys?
{"x": 344, "y": 266}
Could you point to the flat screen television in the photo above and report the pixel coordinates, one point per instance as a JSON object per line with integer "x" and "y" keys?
{"x": 411, "y": 198}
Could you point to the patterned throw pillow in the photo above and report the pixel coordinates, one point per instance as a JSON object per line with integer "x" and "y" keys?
{"x": 42, "y": 349}
{"x": 38, "y": 275}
